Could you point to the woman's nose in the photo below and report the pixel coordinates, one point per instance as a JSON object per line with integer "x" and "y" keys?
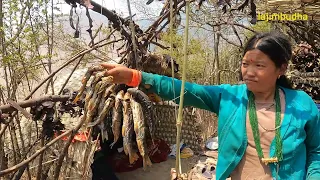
{"x": 250, "y": 71}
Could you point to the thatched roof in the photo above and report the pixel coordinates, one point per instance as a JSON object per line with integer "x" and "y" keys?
{"x": 160, "y": 64}
{"x": 308, "y": 7}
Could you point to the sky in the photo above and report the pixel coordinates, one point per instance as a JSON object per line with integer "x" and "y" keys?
{"x": 145, "y": 15}
{"x": 120, "y": 6}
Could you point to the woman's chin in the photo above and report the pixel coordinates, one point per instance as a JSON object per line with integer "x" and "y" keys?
{"x": 251, "y": 87}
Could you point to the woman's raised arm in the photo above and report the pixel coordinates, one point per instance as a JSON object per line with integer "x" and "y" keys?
{"x": 200, "y": 96}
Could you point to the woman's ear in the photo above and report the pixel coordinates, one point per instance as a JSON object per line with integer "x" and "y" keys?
{"x": 283, "y": 69}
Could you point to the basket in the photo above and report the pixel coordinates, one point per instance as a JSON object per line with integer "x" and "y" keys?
{"x": 166, "y": 127}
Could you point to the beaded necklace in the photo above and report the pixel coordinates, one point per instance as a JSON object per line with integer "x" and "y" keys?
{"x": 256, "y": 135}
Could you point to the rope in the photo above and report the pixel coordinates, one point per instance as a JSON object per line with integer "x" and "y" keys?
{"x": 179, "y": 120}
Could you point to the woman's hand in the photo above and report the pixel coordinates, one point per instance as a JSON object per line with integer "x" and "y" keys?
{"x": 120, "y": 73}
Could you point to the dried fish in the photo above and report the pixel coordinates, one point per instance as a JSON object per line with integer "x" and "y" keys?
{"x": 140, "y": 130}
{"x": 107, "y": 106}
{"x": 109, "y": 90}
{"x": 147, "y": 106}
{"x": 85, "y": 80}
{"x": 128, "y": 129}
{"x": 106, "y": 81}
{"x": 92, "y": 105}
{"x": 102, "y": 99}
{"x": 117, "y": 117}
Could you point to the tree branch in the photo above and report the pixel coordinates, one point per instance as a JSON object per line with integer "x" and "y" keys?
{"x": 38, "y": 152}
{"x": 81, "y": 53}
{"x": 160, "y": 45}
{"x": 28, "y": 103}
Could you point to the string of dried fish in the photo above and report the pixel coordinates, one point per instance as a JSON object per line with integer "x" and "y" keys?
{"x": 117, "y": 117}
{"x": 85, "y": 79}
{"x": 128, "y": 129}
{"x": 103, "y": 103}
{"x": 131, "y": 113}
{"x": 147, "y": 106}
{"x": 140, "y": 130}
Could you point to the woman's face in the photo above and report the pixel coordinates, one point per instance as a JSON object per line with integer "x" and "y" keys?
{"x": 259, "y": 71}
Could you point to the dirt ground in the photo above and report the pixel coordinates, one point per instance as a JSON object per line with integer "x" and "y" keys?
{"x": 159, "y": 171}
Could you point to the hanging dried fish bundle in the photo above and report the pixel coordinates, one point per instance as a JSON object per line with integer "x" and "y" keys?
{"x": 128, "y": 129}
{"x": 147, "y": 105}
{"x": 140, "y": 130}
{"x": 116, "y": 111}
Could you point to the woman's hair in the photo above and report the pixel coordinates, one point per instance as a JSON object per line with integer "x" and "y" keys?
{"x": 277, "y": 47}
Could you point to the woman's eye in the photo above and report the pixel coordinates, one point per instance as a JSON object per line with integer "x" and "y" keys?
{"x": 244, "y": 64}
{"x": 260, "y": 65}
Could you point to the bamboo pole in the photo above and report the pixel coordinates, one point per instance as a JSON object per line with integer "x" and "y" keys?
{"x": 184, "y": 69}
{"x": 171, "y": 53}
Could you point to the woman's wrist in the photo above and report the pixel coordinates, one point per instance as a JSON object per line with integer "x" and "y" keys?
{"x": 136, "y": 78}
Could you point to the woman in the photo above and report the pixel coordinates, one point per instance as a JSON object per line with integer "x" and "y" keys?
{"x": 266, "y": 129}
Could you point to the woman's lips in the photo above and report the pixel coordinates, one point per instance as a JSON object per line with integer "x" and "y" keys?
{"x": 250, "y": 80}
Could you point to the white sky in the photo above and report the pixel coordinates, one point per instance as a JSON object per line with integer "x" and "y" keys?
{"x": 120, "y": 6}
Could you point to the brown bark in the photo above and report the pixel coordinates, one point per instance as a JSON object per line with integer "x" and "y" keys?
{"x": 28, "y": 103}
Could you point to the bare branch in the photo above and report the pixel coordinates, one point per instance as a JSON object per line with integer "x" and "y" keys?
{"x": 38, "y": 152}
{"x": 160, "y": 45}
{"x": 81, "y": 53}
{"x": 226, "y": 39}
{"x": 28, "y": 103}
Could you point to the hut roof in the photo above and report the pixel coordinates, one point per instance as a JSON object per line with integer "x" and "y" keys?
{"x": 308, "y": 7}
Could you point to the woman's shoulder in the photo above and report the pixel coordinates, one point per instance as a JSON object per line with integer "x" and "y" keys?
{"x": 300, "y": 99}
{"x": 235, "y": 89}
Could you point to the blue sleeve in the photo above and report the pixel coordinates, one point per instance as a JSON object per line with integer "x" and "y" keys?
{"x": 313, "y": 145}
{"x": 200, "y": 96}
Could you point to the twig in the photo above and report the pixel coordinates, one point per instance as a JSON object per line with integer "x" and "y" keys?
{"x": 21, "y": 25}
{"x": 4, "y": 128}
{"x": 95, "y": 35}
{"x": 81, "y": 53}
{"x": 19, "y": 108}
{"x": 159, "y": 21}
{"x": 237, "y": 34}
{"x": 241, "y": 6}
{"x": 31, "y": 102}
{"x": 23, "y": 150}
{"x": 63, "y": 154}
{"x": 160, "y": 45}
{"x": 159, "y": 31}
{"x": 15, "y": 159}
{"x": 235, "y": 24}
{"x": 74, "y": 68}
{"x": 90, "y": 155}
{"x": 39, "y": 170}
{"x": 113, "y": 31}
{"x": 230, "y": 41}
{"x": 21, "y": 164}
{"x": 164, "y": 16}
{"x": 123, "y": 57}
{"x": 45, "y": 163}
{"x": 114, "y": 18}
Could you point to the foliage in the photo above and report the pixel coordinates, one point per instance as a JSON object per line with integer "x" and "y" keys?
{"x": 261, "y": 26}
{"x": 196, "y": 54}
{"x": 29, "y": 49}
